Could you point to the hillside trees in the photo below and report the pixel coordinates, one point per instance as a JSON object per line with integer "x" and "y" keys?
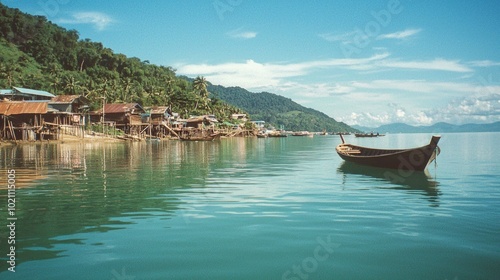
{"x": 35, "y": 53}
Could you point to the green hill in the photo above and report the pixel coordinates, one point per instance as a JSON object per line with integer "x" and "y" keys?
{"x": 278, "y": 110}
{"x": 35, "y": 53}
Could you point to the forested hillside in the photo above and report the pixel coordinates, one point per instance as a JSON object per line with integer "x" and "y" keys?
{"x": 34, "y": 53}
{"x": 37, "y": 54}
{"x": 278, "y": 110}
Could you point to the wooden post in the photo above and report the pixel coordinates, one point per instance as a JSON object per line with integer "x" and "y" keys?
{"x": 12, "y": 131}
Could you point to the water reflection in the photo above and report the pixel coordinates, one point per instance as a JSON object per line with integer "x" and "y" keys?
{"x": 74, "y": 188}
{"x": 410, "y": 181}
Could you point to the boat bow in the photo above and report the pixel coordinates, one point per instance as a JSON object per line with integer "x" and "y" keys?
{"x": 405, "y": 159}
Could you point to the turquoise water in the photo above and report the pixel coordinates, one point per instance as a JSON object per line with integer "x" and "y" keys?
{"x": 243, "y": 208}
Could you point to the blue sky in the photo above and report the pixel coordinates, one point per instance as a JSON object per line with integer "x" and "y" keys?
{"x": 361, "y": 62}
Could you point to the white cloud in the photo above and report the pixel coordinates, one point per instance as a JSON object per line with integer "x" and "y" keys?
{"x": 436, "y": 64}
{"x": 241, "y": 34}
{"x": 478, "y": 108}
{"x": 254, "y": 75}
{"x": 484, "y": 63}
{"x": 472, "y": 109}
{"x": 422, "y": 86}
{"x": 99, "y": 20}
{"x": 348, "y": 88}
{"x": 400, "y": 35}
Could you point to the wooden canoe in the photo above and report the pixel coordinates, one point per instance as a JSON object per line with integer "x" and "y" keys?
{"x": 368, "y": 134}
{"x": 414, "y": 159}
{"x": 210, "y": 137}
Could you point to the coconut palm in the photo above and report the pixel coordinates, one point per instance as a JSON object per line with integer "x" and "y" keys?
{"x": 72, "y": 85}
{"x": 200, "y": 88}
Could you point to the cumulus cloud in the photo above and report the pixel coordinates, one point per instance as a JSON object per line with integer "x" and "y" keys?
{"x": 472, "y": 109}
{"x": 394, "y": 113}
{"x": 99, "y": 20}
{"x": 347, "y": 84}
{"x": 251, "y": 74}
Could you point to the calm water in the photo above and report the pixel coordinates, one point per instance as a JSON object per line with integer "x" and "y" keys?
{"x": 251, "y": 209}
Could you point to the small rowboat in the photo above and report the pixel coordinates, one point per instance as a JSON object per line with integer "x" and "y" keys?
{"x": 210, "y": 137}
{"x": 368, "y": 134}
{"x": 415, "y": 159}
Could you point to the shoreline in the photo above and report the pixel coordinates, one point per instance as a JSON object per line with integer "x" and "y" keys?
{"x": 66, "y": 139}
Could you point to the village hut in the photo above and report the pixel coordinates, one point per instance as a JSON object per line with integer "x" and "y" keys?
{"x": 70, "y": 103}
{"x": 25, "y": 94}
{"x": 201, "y": 122}
{"x": 159, "y": 115}
{"x": 21, "y": 120}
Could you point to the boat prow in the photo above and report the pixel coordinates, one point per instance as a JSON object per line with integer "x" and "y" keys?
{"x": 414, "y": 159}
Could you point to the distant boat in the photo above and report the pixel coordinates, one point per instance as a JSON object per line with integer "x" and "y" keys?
{"x": 368, "y": 134}
{"x": 302, "y": 133}
{"x": 277, "y": 134}
{"x": 153, "y": 139}
{"x": 210, "y": 137}
{"x": 415, "y": 159}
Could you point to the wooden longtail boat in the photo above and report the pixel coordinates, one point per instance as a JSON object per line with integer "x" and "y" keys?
{"x": 368, "y": 134}
{"x": 210, "y": 137}
{"x": 302, "y": 133}
{"x": 415, "y": 159}
{"x": 277, "y": 134}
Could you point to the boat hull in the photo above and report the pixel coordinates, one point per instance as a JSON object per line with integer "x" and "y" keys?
{"x": 415, "y": 159}
{"x": 211, "y": 137}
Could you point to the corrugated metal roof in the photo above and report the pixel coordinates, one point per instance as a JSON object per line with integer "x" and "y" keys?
{"x": 201, "y": 119}
{"x": 5, "y": 91}
{"x": 4, "y": 107}
{"x": 19, "y": 108}
{"x": 68, "y": 98}
{"x": 159, "y": 110}
{"x": 64, "y": 98}
{"x": 33, "y": 92}
{"x": 122, "y": 108}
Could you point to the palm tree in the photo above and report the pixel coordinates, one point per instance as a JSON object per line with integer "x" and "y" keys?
{"x": 72, "y": 85}
{"x": 169, "y": 83}
{"x": 200, "y": 87}
{"x": 127, "y": 84}
{"x": 9, "y": 71}
{"x": 55, "y": 83}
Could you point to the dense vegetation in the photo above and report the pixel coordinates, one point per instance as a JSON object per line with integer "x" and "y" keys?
{"x": 37, "y": 54}
{"x": 34, "y": 53}
{"x": 278, "y": 110}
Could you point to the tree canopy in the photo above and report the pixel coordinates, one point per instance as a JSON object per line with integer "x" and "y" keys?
{"x": 35, "y": 53}
{"x": 278, "y": 110}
